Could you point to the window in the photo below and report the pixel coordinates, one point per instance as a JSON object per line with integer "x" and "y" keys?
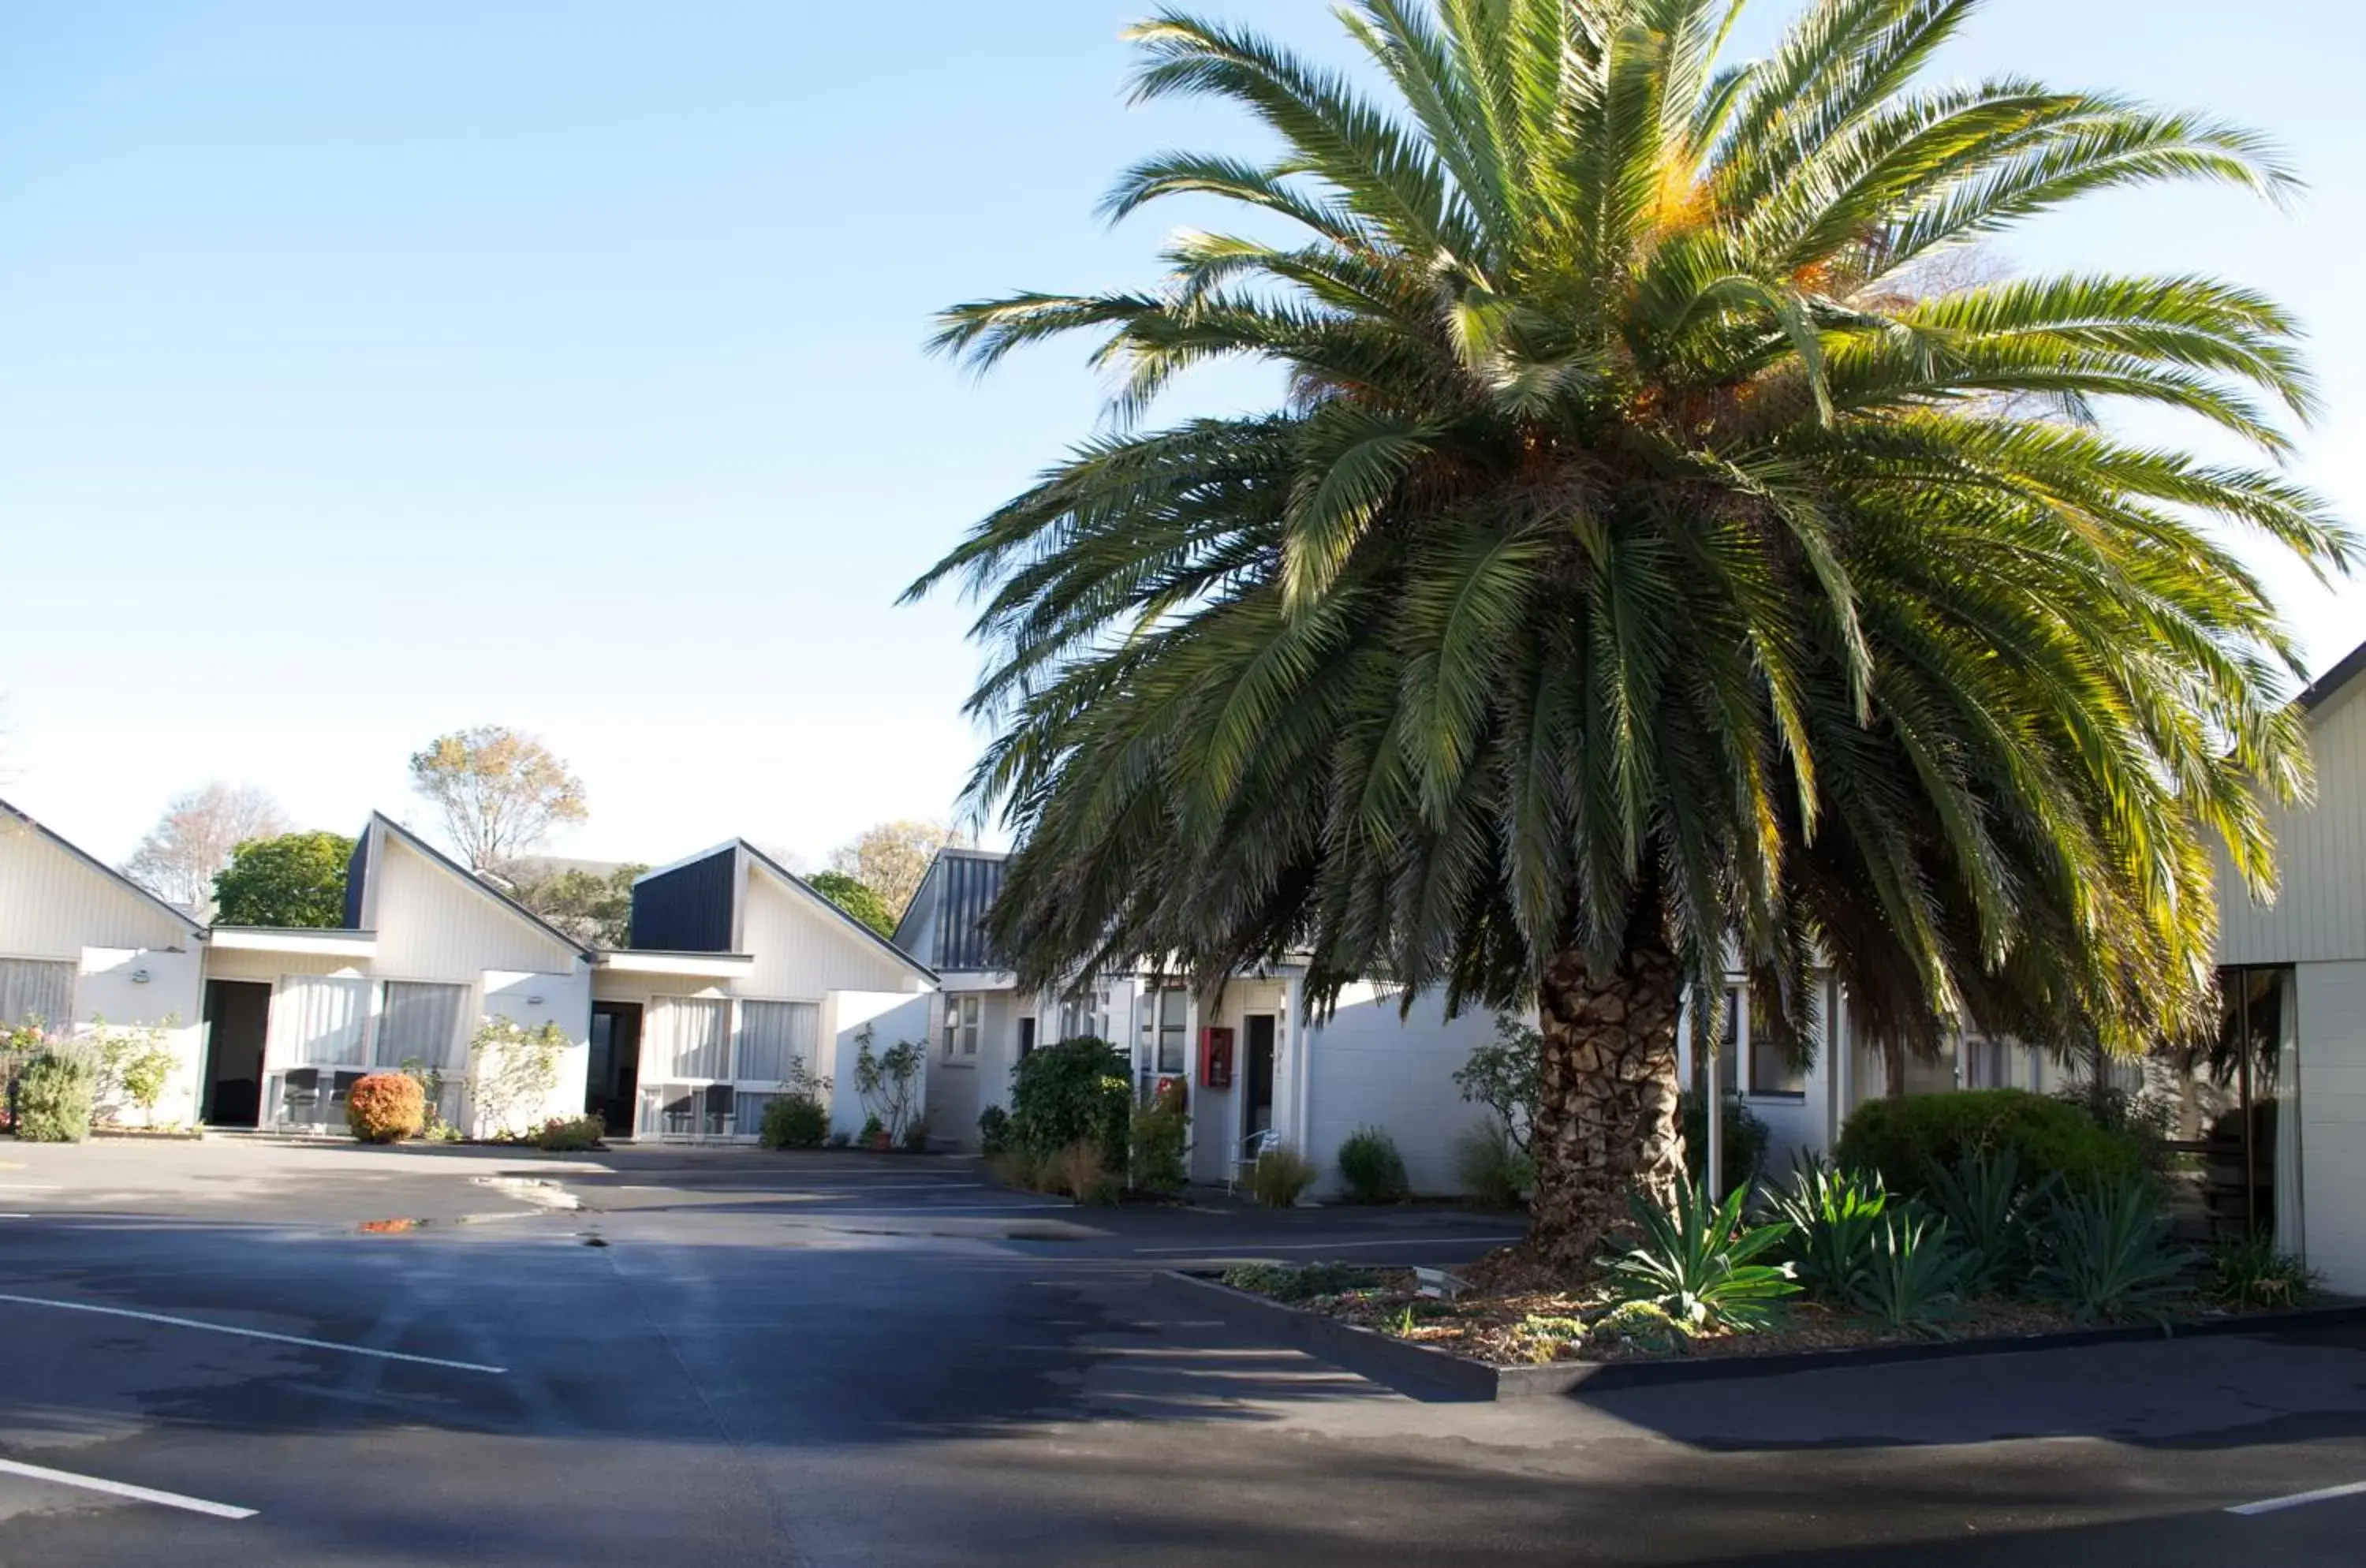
{"x": 693, "y": 1036}
{"x": 1773, "y": 1074}
{"x": 774, "y": 1039}
{"x": 1085, "y": 1017}
{"x": 1997, "y": 1064}
{"x": 420, "y": 1023}
{"x": 1026, "y": 1037}
{"x": 1728, "y": 1047}
{"x": 325, "y": 1020}
{"x": 962, "y": 1016}
{"x": 1165, "y": 1014}
{"x": 37, "y": 991}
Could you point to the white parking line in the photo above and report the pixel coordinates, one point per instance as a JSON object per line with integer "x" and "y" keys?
{"x": 2322, "y": 1494}
{"x": 30, "y": 1187}
{"x": 1253, "y": 1248}
{"x": 257, "y": 1334}
{"x": 122, "y": 1489}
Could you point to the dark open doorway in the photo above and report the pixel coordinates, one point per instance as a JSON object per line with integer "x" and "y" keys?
{"x": 1257, "y": 1112}
{"x": 237, "y": 1019}
{"x": 612, "y": 1081}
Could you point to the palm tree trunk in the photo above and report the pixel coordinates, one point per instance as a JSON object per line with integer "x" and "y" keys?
{"x": 1607, "y": 1106}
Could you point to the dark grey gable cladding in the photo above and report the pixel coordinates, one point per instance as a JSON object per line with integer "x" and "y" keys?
{"x": 945, "y": 927}
{"x": 356, "y": 874}
{"x": 688, "y": 908}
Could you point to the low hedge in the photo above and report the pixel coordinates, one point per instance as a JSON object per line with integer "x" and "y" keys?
{"x": 1903, "y": 1139}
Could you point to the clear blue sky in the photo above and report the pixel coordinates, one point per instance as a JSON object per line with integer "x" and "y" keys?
{"x": 370, "y": 371}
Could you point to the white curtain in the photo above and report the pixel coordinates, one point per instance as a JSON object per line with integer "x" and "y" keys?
{"x": 422, "y": 1023}
{"x": 320, "y": 1020}
{"x": 37, "y": 988}
{"x": 693, "y": 1037}
{"x": 2288, "y": 1229}
{"x": 773, "y": 1036}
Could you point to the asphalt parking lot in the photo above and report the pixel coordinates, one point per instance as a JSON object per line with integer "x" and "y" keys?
{"x": 331, "y": 1354}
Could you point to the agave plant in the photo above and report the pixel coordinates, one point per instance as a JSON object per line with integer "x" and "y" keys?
{"x": 1694, "y": 1261}
{"x": 1659, "y": 552}
{"x": 1982, "y": 1197}
{"x": 2104, "y": 1253}
{"x": 1835, "y": 1215}
{"x": 1915, "y": 1277}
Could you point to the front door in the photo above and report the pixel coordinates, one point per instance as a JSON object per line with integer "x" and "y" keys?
{"x": 1257, "y": 1114}
{"x": 237, "y": 1019}
{"x": 612, "y": 1084}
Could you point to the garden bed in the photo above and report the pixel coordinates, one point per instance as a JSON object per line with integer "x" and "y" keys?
{"x": 167, "y": 1134}
{"x": 1517, "y": 1334}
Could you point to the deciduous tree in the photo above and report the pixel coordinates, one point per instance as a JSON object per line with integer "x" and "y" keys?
{"x": 890, "y": 858}
{"x": 500, "y": 792}
{"x": 194, "y": 839}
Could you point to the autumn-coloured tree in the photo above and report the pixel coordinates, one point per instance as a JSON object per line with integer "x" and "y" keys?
{"x": 500, "y": 792}
{"x": 890, "y": 858}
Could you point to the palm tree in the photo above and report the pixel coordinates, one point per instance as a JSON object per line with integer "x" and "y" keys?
{"x": 1657, "y": 562}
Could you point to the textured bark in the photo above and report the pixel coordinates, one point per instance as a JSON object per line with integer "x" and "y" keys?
{"x": 1607, "y": 1106}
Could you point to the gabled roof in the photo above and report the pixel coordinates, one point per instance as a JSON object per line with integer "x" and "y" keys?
{"x": 823, "y": 901}
{"x": 2321, "y": 689}
{"x": 411, "y": 840}
{"x": 179, "y": 916}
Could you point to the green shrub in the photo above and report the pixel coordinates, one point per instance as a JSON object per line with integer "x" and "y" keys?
{"x": 1836, "y": 1219}
{"x": 1302, "y": 1281}
{"x": 1161, "y": 1130}
{"x": 1505, "y": 1074}
{"x": 1489, "y": 1167}
{"x": 794, "y": 1122}
{"x": 1373, "y": 1169}
{"x": 874, "y": 1132}
{"x": 1075, "y": 1089}
{"x": 2104, "y": 1252}
{"x": 54, "y": 1091}
{"x": 1915, "y": 1276}
{"x": 993, "y": 1131}
{"x": 2252, "y": 1276}
{"x": 386, "y": 1108}
{"x": 1744, "y": 1148}
{"x": 1992, "y": 1211}
{"x": 1281, "y": 1176}
{"x": 1693, "y": 1262}
{"x": 1906, "y": 1139}
{"x": 570, "y": 1134}
{"x": 916, "y": 1137}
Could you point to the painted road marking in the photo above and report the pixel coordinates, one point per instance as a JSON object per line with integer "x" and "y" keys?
{"x": 30, "y": 1187}
{"x": 1247, "y": 1249}
{"x": 257, "y": 1334}
{"x": 123, "y": 1489}
{"x": 2298, "y": 1499}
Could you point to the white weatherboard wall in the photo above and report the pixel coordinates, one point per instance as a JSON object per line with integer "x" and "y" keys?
{"x": 159, "y": 988}
{"x": 2331, "y": 1002}
{"x": 891, "y": 1016}
{"x": 58, "y": 906}
{"x": 803, "y": 950}
{"x": 434, "y": 923}
{"x": 531, "y": 1000}
{"x": 1366, "y": 1068}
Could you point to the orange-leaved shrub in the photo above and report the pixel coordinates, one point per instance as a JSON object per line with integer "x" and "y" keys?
{"x": 386, "y": 1108}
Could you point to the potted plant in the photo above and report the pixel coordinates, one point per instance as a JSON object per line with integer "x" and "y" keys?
{"x": 875, "y": 1135}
